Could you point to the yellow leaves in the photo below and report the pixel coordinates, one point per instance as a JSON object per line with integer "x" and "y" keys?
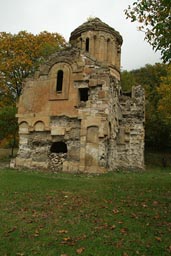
{"x": 115, "y": 211}
{"x": 112, "y": 227}
{"x": 144, "y": 205}
{"x": 20, "y": 55}
{"x": 125, "y": 254}
{"x": 164, "y": 91}
{"x": 80, "y": 250}
{"x": 124, "y": 231}
{"x": 63, "y": 231}
{"x": 36, "y": 233}
{"x": 134, "y": 215}
{"x": 66, "y": 239}
{"x": 119, "y": 243}
{"x": 155, "y": 203}
{"x": 169, "y": 249}
{"x": 158, "y": 238}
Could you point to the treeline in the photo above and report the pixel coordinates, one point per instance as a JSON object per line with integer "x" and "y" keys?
{"x": 156, "y": 80}
{"x": 22, "y": 53}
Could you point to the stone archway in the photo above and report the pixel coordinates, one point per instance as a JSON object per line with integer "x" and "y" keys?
{"x": 39, "y": 126}
{"x": 58, "y": 147}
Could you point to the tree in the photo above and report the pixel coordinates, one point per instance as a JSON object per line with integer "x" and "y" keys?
{"x": 154, "y": 17}
{"x": 127, "y": 80}
{"x": 157, "y": 131}
{"x": 20, "y": 56}
{"x": 164, "y": 90}
{"x": 8, "y": 125}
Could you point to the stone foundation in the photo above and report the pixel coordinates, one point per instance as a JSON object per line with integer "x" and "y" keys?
{"x": 56, "y": 161}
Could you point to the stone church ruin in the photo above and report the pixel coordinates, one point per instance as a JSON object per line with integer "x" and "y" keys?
{"x": 73, "y": 115}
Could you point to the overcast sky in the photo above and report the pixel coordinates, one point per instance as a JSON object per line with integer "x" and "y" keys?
{"x": 63, "y": 16}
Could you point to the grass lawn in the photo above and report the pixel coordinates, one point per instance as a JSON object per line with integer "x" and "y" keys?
{"x": 67, "y": 215}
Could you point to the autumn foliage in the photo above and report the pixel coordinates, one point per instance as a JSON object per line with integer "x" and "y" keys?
{"x": 164, "y": 106}
{"x": 20, "y": 56}
{"x": 156, "y": 80}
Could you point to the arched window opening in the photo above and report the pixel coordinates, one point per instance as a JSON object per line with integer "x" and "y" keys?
{"x": 59, "y": 147}
{"x": 87, "y": 44}
{"x": 24, "y": 128}
{"x": 60, "y": 75}
{"x": 39, "y": 126}
{"x": 84, "y": 93}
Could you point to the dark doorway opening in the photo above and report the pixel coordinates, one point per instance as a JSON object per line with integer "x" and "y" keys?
{"x": 59, "y": 147}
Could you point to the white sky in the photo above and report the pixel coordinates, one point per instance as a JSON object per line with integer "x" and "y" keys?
{"x": 63, "y": 16}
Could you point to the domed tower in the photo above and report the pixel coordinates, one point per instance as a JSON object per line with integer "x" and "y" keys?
{"x": 100, "y": 41}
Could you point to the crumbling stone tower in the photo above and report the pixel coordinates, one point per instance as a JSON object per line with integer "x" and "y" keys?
{"x": 73, "y": 115}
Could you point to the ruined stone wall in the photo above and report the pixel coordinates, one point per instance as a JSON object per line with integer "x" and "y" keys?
{"x": 35, "y": 147}
{"x": 67, "y": 130}
{"x": 33, "y": 150}
{"x": 130, "y": 139}
{"x": 94, "y": 125}
{"x": 113, "y": 119}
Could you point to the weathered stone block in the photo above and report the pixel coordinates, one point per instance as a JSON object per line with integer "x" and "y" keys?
{"x": 57, "y": 131}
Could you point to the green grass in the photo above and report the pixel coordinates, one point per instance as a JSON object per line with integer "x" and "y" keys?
{"x": 158, "y": 159}
{"x": 112, "y": 214}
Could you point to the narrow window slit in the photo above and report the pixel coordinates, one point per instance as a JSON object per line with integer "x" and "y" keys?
{"x": 59, "y": 83}
{"x": 87, "y": 44}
